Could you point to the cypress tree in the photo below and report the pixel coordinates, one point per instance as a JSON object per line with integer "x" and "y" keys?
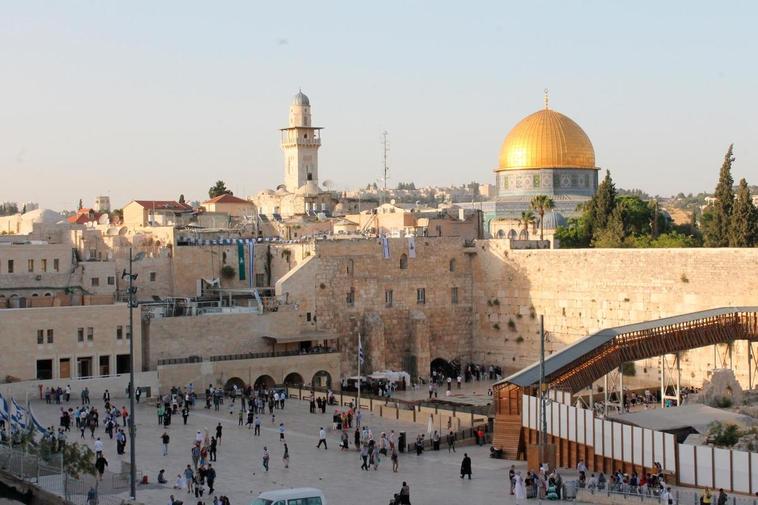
{"x": 718, "y": 234}
{"x": 744, "y": 221}
{"x": 602, "y": 204}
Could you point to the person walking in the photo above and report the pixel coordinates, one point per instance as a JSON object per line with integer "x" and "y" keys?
{"x": 257, "y": 431}
{"x": 466, "y": 466}
{"x": 405, "y": 494}
{"x": 364, "y": 457}
{"x": 164, "y": 441}
{"x": 100, "y": 465}
{"x": 210, "y": 478}
{"x": 393, "y": 456}
{"x": 321, "y": 438}
{"x": 266, "y": 457}
{"x": 722, "y": 499}
{"x": 219, "y": 432}
{"x": 281, "y": 432}
{"x": 450, "y": 441}
{"x": 212, "y": 449}
{"x": 286, "y": 456}
{"x": 185, "y": 413}
{"x": 189, "y": 476}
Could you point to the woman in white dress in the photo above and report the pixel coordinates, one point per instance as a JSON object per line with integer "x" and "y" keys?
{"x": 519, "y": 488}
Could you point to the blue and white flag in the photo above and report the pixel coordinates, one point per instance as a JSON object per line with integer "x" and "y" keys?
{"x": 4, "y": 413}
{"x": 35, "y": 422}
{"x": 361, "y": 356}
{"x": 385, "y": 247}
{"x": 19, "y": 415}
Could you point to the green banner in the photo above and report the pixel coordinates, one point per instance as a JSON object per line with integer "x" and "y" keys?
{"x": 241, "y": 259}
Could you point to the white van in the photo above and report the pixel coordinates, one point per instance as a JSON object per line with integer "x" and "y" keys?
{"x": 297, "y": 496}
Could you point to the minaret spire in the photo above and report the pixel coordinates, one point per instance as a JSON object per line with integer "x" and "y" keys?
{"x": 547, "y": 98}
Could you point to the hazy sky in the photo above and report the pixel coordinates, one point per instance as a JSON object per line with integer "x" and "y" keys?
{"x": 150, "y": 99}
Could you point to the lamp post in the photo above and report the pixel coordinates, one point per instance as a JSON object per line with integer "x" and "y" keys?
{"x": 132, "y": 304}
{"x": 543, "y": 416}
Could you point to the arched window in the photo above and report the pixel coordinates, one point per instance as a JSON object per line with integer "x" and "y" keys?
{"x": 501, "y": 233}
{"x": 524, "y": 235}
{"x": 512, "y": 234}
{"x": 403, "y": 262}
{"x": 452, "y": 264}
{"x": 350, "y": 267}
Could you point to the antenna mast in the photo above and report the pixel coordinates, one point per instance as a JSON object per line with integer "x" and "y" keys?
{"x": 386, "y": 149}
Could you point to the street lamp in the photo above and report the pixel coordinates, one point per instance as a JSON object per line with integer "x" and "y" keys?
{"x": 132, "y": 304}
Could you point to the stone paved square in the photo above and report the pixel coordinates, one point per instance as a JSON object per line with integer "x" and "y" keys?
{"x": 433, "y": 477}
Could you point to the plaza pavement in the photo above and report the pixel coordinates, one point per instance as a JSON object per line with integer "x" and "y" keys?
{"x": 433, "y": 477}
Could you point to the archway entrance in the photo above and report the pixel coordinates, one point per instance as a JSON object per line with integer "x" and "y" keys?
{"x": 234, "y": 381}
{"x": 294, "y": 379}
{"x": 322, "y": 378}
{"x": 442, "y": 367}
{"x": 264, "y": 382}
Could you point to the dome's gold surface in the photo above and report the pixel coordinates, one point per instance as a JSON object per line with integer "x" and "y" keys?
{"x": 546, "y": 139}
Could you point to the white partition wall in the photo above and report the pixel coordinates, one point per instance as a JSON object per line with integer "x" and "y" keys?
{"x": 599, "y": 439}
{"x": 589, "y": 423}
{"x": 563, "y": 418}
{"x": 607, "y": 439}
{"x": 647, "y": 449}
{"x": 626, "y": 438}
{"x": 687, "y": 464}
{"x": 581, "y": 431}
{"x": 658, "y": 447}
{"x": 704, "y": 466}
{"x": 740, "y": 471}
{"x": 554, "y": 419}
{"x": 722, "y": 460}
{"x": 669, "y": 444}
{"x": 533, "y": 419}
{"x": 637, "y": 447}
{"x": 572, "y": 423}
{"x": 754, "y": 472}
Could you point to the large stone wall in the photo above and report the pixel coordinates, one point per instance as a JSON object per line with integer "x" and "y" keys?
{"x": 406, "y": 335}
{"x": 583, "y": 290}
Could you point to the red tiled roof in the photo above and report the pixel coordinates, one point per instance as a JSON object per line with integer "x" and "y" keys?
{"x": 226, "y": 198}
{"x": 164, "y": 205}
{"x": 82, "y": 216}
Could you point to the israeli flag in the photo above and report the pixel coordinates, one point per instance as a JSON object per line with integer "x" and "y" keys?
{"x": 35, "y": 422}
{"x": 19, "y": 416}
{"x": 4, "y": 413}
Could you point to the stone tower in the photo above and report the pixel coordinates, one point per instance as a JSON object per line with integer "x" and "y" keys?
{"x": 300, "y": 143}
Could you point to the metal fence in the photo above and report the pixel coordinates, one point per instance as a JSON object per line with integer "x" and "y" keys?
{"x": 48, "y": 474}
{"x": 678, "y": 496}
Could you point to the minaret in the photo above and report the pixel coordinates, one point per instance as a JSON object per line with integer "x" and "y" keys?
{"x": 300, "y": 143}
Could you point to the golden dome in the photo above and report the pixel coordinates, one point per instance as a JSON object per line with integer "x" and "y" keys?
{"x": 546, "y": 139}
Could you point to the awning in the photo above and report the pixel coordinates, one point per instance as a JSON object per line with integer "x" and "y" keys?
{"x": 303, "y": 337}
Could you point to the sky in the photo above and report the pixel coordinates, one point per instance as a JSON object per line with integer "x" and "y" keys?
{"x": 152, "y": 99}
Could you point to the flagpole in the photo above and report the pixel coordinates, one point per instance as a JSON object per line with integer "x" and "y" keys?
{"x": 358, "y": 407}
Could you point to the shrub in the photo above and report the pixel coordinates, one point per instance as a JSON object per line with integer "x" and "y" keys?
{"x": 723, "y": 435}
{"x": 519, "y": 339}
{"x": 496, "y": 326}
{"x": 684, "y": 278}
{"x": 722, "y": 402}
{"x": 228, "y": 272}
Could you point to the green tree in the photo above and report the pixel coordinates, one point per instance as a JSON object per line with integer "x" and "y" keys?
{"x": 541, "y": 204}
{"x": 575, "y": 233}
{"x": 602, "y": 204}
{"x": 717, "y": 233}
{"x": 612, "y": 235}
{"x": 219, "y": 189}
{"x": 744, "y": 226}
{"x": 80, "y": 205}
{"x": 527, "y": 218}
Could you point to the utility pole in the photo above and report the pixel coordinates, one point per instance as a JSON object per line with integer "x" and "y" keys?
{"x": 543, "y": 397}
{"x": 132, "y": 453}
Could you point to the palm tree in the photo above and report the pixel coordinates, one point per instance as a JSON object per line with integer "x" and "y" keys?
{"x": 542, "y": 203}
{"x": 527, "y": 218}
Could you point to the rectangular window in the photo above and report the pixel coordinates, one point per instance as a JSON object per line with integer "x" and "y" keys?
{"x": 152, "y": 276}
{"x": 454, "y": 296}
{"x": 95, "y": 282}
{"x": 10, "y": 266}
{"x": 30, "y": 265}
{"x": 308, "y": 316}
{"x": 260, "y": 280}
{"x": 49, "y": 336}
{"x": 350, "y": 298}
{"x": 90, "y": 334}
{"x": 421, "y": 296}
{"x": 122, "y": 363}
{"x": 119, "y": 332}
{"x": 40, "y": 337}
{"x": 105, "y": 365}
{"x": 56, "y": 265}
{"x": 43, "y": 265}
{"x": 80, "y": 335}
{"x": 44, "y": 369}
{"x": 111, "y": 280}
{"x": 388, "y": 295}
